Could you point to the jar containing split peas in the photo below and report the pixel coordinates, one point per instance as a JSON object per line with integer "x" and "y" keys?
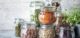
{"x": 46, "y": 31}
{"x": 47, "y": 16}
{"x": 29, "y": 30}
{"x": 18, "y": 22}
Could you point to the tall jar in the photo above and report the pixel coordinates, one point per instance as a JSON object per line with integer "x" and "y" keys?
{"x": 29, "y": 30}
{"x": 36, "y": 6}
{"x": 46, "y": 31}
{"x": 58, "y": 23}
{"x": 47, "y": 16}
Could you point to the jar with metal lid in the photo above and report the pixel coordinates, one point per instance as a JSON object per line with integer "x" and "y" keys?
{"x": 29, "y": 30}
{"x": 46, "y": 31}
{"x": 46, "y": 15}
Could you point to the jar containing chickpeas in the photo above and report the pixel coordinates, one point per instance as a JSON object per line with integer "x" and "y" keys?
{"x": 29, "y": 30}
{"x": 46, "y": 31}
{"x": 47, "y": 16}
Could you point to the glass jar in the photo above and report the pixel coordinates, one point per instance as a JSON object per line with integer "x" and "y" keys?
{"x": 36, "y": 6}
{"x": 58, "y": 23}
{"x": 59, "y": 18}
{"x": 18, "y": 24}
{"x": 46, "y": 15}
{"x": 29, "y": 30}
{"x": 65, "y": 31}
{"x": 46, "y": 31}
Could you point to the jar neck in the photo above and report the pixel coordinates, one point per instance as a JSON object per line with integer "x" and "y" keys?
{"x": 47, "y": 8}
{"x": 47, "y": 26}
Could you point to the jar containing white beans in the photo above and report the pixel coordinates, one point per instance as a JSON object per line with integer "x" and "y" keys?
{"x": 46, "y": 31}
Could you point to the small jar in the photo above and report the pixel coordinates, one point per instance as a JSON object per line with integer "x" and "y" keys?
{"x": 46, "y": 31}
{"x": 18, "y": 24}
{"x": 58, "y": 22}
{"x": 47, "y": 16}
{"x": 29, "y": 30}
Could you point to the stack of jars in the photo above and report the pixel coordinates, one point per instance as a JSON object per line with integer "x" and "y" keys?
{"x": 46, "y": 30}
{"x": 47, "y": 18}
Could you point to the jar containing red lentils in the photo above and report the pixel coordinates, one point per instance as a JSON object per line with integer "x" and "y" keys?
{"x": 47, "y": 16}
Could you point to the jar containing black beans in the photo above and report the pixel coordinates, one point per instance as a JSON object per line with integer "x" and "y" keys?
{"x": 65, "y": 31}
{"x": 29, "y": 30}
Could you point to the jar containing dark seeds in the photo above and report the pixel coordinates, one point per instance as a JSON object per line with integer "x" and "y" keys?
{"x": 29, "y": 30}
{"x": 65, "y": 31}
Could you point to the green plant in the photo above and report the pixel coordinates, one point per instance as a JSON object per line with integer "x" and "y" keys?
{"x": 73, "y": 18}
{"x": 35, "y": 17}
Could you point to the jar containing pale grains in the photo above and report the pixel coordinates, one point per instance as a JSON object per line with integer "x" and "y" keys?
{"x": 46, "y": 31}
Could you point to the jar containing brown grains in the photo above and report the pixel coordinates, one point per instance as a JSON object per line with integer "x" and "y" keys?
{"x": 46, "y": 31}
{"x": 29, "y": 30}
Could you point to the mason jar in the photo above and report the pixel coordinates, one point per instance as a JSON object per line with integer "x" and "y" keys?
{"x": 29, "y": 30}
{"x": 65, "y": 31}
{"x": 46, "y": 16}
{"x": 36, "y": 8}
{"x": 18, "y": 23}
{"x": 46, "y": 31}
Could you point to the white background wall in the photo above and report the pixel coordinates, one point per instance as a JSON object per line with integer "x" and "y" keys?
{"x": 11, "y": 9}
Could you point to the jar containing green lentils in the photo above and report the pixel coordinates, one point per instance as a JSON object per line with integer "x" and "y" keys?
{"x": 46, "y": 31}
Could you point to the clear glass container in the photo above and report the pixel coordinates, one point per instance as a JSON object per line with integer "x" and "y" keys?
{"x": 36, "y": 8}
{"x": 46, "y": 16}
{"x": 59, "y": 18}
{"x": 46, "y": 31}
{"x": 18, "y": 23}
{"x": 65, "y": 31}
{"x": 29, "y": 30}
